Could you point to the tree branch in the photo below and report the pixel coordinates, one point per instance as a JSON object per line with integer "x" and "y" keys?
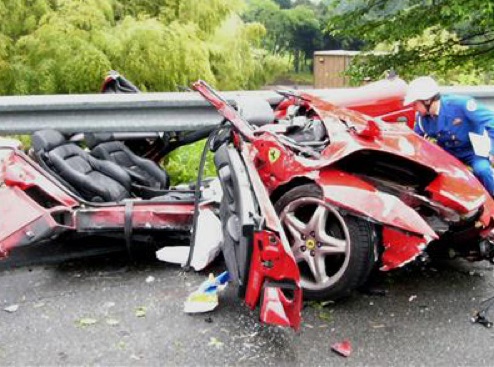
{"x": 480, "y": 43}
{"x": 477, "y": 53}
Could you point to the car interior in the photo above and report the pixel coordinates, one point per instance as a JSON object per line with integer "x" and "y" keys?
{"x": 144, "y": 173}
{"x": 110, "y": 172}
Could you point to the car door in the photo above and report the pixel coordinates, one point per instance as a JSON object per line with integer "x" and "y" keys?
{"x": 33, "y": 207}
{"x": 255, "y": 248}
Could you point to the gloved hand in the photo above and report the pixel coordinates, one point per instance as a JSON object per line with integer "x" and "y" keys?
{"x": 430, "y": 138}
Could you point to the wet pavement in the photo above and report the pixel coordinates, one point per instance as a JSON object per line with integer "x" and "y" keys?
{"x": 107, "y": 311}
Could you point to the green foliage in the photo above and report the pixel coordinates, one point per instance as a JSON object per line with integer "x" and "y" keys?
{"x": 5, "y": 67}
{"x": 59, "y": 56}
{"x": 448, "y": 38}
{"x": 207, "y": 18}
{"x": 138, "y": 8}
{"x": 183, "y": 163}
{"x": 25, "y": 140}
{"x": 284, "y": 4}
{"x": 67, "y": 46}
{"x": 294, "y": 28}
{"x": 82, "y": 14}
{"x": 157, "y": 56}
{"x": 21, "y": 17}
{"x": 233, "y": 69}
{"x": 298, "y": 78}
{"x": 57, "y": 60}
{"x": 305, "y": 33}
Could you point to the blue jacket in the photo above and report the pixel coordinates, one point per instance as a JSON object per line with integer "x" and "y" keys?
{"x": 458, "y": 115}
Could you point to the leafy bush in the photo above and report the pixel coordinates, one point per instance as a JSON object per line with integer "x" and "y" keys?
{"x": 183, "y": 163}
{"x": 24, "y": 139}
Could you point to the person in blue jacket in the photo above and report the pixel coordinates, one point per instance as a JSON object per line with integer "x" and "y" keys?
{"x": 448, "y": 120}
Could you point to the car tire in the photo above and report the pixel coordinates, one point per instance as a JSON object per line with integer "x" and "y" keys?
{"x": 335, "y": 251}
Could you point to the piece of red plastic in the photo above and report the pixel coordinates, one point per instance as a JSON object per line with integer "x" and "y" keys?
{"x": 343, "y": 348}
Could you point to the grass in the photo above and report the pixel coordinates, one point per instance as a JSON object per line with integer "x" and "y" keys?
{"x": 292, "y": 78}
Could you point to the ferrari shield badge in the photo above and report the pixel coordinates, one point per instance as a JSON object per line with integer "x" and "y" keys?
{"x": 273, "y": 155}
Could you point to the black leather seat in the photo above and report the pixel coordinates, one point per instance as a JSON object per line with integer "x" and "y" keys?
{"x": 143, "y": 172}
{"x": 93, "y": 179}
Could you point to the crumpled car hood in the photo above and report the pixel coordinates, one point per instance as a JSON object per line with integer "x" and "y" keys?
{"x": 453, "y": 184}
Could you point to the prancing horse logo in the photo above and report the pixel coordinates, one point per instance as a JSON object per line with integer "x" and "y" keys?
{"x": 273, "y": 155}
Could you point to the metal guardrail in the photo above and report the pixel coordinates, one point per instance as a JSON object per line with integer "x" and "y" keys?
{"x": 142, "y": 112}
{"x": 484, "y": 94}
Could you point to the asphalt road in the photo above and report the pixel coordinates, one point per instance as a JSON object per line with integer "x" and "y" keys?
{"x": 107, "y": 311}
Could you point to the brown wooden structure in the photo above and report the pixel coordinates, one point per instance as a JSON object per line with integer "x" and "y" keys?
{"x": 330, "y": 66}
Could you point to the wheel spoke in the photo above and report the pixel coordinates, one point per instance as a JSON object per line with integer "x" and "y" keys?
{"x": 295, "y": 225}
{"x": 318, "y": 220}
{"x": 298, "y": 254}
{"x": 317, "y": 267}
{"x": 332, "y": 245}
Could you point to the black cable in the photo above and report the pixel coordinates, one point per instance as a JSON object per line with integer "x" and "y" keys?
{"x": 197, "y": 196}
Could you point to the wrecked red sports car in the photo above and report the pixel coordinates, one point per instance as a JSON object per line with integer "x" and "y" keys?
{"x": 353, "y": 191}
{"x": 329, "y": 189}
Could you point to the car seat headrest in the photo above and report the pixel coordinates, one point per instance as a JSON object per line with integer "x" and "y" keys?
{"x": 94, "y": 139}
{"x": 46, "y": 140}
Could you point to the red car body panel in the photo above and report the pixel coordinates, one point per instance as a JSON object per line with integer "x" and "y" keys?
{"x": 400, "y": 248}
{"x": 35, "y": 208}
{"x": 271, "y": 266}
{"x": 355, "y": 195}
{"x": 273, "y": 261}
{"x": 145, "y": 216}
{"x": 455, "y": 186}
{"x": 350, "y": 132}
{"x": 382, "y": 99}
{"x": 24, "y": 221}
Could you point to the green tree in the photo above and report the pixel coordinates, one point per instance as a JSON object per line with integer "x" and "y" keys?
{"x": 268, "y": 13}
{"x": 420, "y": 36}
{"x": 305, "y": 34}
{"x": 66, "y": 46}
{"x": 233, "y": 68}
{"x": 294, "y": 31}
{"x": 207, "y": 15}
{"x": 21, "y": 17}
{"x": 158, "y": 57}
{"x": 284, "y": 4}
{"x": 59, "y": 56}
{"x": 6, "y": 79}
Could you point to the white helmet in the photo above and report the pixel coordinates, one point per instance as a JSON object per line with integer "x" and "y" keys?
{"x": 421, "y": 89}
